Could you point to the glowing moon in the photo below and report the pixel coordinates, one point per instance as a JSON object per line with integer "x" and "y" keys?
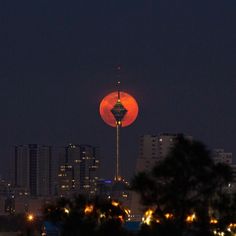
{"x": 127, "y": 101}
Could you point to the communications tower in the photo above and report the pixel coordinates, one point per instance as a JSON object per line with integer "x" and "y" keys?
{"x": 118, "y": 109}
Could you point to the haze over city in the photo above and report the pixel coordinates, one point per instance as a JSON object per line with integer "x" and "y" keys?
{"x": 58, "y": 60}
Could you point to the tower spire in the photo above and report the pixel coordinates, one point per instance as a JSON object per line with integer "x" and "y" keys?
{"x": 118, "y": 81}
{"x": 118, "y": 90}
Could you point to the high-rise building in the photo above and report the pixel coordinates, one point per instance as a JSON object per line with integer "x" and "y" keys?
{"x": 220, "y": 156}
{"x": 32, "y": 169}
{"x": 152, "y": 148}
{"x": 81, "y": 169}
{"x": 66, "y": 181}
{"x": 88, "y": 176}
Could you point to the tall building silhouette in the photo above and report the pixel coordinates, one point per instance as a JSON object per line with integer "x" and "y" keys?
{"x": 33, "y": 169}
{"x": 152, "y": 148}
{"x": 79, "y": 172}
{"x": 221, "y": 156}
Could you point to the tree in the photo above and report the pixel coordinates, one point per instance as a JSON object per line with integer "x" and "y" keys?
{"x": 186, "y": 182}
{"x": 83, "y": 216}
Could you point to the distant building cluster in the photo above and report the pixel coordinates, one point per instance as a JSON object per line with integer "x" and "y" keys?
{"x": 41, "y": 173}
{"x": 78, "y": 171}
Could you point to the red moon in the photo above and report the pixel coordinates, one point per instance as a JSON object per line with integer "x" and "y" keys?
{"x": 127, "y": 101}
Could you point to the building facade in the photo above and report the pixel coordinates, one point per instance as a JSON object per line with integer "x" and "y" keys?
{"x": 152, "y": 149}
{"x": 81, "y": 169}
{"x": 220, "y": 156}
{"x": 32, "y": 169}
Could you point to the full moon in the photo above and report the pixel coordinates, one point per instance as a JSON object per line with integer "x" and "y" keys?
{"x": 127, "y": 101}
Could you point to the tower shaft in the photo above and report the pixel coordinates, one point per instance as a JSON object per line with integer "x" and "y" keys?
{"x": 117, "y": 176}
{"x": 119, "y": 112}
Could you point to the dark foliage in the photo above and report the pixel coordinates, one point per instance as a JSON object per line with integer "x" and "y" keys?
{"x": 102, "y": 217}
{"x": 187, "y": 181}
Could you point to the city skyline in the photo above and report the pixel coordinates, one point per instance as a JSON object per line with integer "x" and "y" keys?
{"x": 42, "y": 172}
{"x": 58, "y": 60}
{"x": 60, "y": 160}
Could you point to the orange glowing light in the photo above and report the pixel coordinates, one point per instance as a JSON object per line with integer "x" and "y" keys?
{"x": 191, "y": 218}
{"x": 114, "y": 203}
{"x": 213, "y": 221}
{"x": 127, "y": 101}
{"x": 88, "y": 209}
{"x": 121, "y": 218}
{"x": 30, "y": 217}
{"x": 168, "y": 215}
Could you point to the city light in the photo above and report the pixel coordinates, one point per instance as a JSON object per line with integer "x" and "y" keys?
{"x": 232, "y": 225}
{"x": 168, "y": 215}
{"x": 213, "y": 221}
{"x": 30, "y": 217}
{"x": 67, "y": 211}
{"x": 220, "y": 233}
{"x": 114, "y": 203}
{"x": 102, "y": 215}
{"x": 148, "y": 217}
{"x": 191, "y": 218}
{"x": 127, "y": 211}
{"x": 121, "y": 218}
{"x": 88, "y": 209}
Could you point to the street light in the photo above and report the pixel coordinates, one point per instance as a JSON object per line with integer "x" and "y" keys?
{"x": 30, "y": 217}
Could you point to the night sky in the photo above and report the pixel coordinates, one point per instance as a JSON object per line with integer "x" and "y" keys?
{"x": 58, "y": 60}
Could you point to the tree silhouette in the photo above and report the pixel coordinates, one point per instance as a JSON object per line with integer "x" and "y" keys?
{"x": 84, "y": 216}
{"x": 186, "y": 182}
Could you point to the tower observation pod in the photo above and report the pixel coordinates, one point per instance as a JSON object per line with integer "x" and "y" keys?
{"x": 118, "y": 109}
{"x": 118, "y": 112}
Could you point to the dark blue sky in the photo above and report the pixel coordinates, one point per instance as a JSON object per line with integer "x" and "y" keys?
{"x": 58, "y": 59}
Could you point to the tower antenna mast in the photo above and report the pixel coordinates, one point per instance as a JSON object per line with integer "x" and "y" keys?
{"x": 118, "y": 109}
{"x": 118, "y": 112}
